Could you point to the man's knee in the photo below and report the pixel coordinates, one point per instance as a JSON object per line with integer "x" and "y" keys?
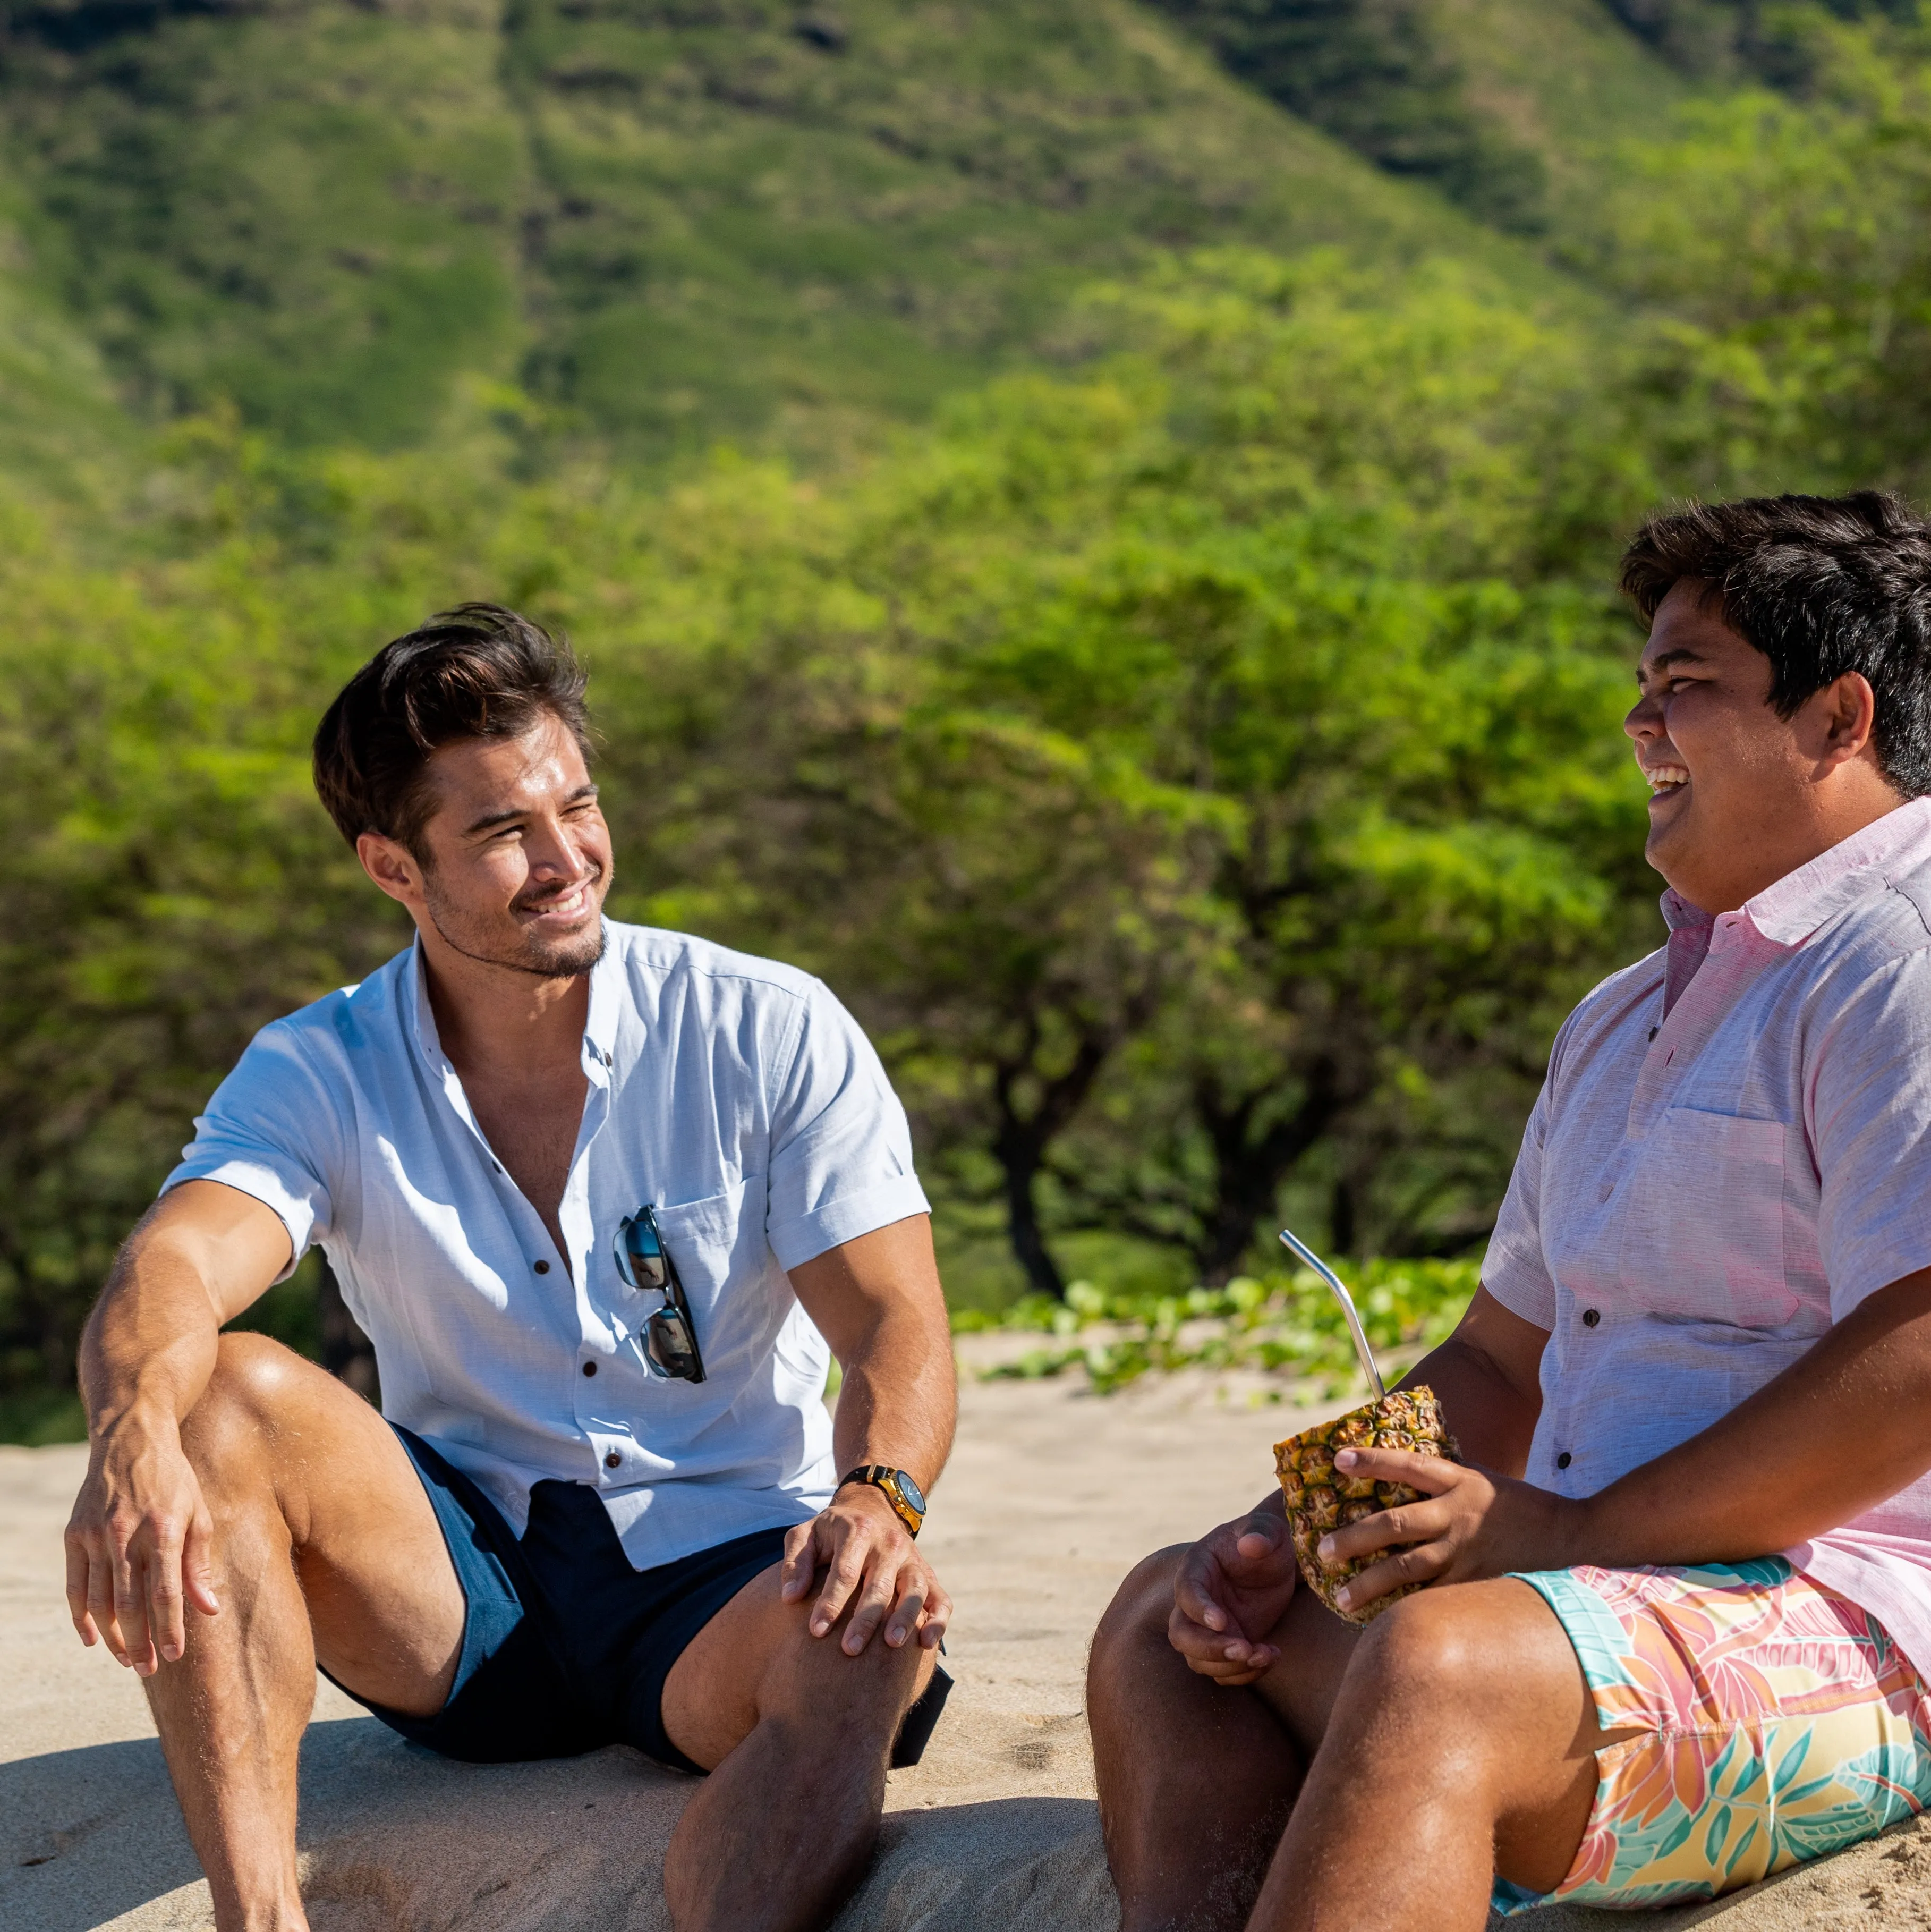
{"x": 1135, "y": 1622}
{"x": 254, "y": 1383}
{"x": 880, "y": 1673}
{"x": 1144, "y": 1601}
{"x": 1437, "y": 1653}
{"x": 805, "y": 1677}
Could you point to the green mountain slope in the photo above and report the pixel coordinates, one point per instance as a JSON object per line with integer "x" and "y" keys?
{"x": 1565, "y": 80}
{"x": 313, "y": 211}
{"x": 671, "y": 224}
{"x": 1380, "y": 76}
{"x": 63, "y": 430}
{"x": 770, "y": 221}
{"x": 1743, "y": 40}
{"x": 864, "y": 210}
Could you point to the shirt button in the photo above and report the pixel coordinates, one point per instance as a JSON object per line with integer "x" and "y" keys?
{"x": 1563, "y": 1461}
{"x": 590, "y": 1368}
{"x": 614, "y": 1461}
{"x": 1590, "y": 1316}
{"x": 543, "y": 1267}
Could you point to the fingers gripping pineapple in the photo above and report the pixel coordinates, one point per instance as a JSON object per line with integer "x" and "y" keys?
{"x": 1320, "y": 1498}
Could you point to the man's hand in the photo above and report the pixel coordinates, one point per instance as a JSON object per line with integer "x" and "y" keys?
{"x": 1232, "y": 1589}
{"x": 1467, "y": 1525}
{"x": 139, "y": 1544}
{"x": 873, "y": 1564}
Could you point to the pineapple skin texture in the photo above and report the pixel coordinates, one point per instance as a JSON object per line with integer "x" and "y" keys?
{"x": 1320, "y": 1499}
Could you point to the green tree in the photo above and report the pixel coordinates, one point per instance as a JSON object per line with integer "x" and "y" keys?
{"x": 1221, "y": 741}
{"x": 1427, "y": 839}
{"x": 1780, "y": 248}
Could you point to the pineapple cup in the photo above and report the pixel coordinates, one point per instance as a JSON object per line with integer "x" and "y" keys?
{"x": 1320, "y": 1499}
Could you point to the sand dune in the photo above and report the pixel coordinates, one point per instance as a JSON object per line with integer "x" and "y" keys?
{"x": 1052, "y": 1495}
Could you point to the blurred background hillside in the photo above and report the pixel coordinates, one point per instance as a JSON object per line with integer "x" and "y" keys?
{"x": 1090, "y": 524}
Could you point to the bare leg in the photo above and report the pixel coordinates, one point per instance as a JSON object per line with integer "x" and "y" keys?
{"x": 798, "y": 1734}
{"x": 324, "y": 1541}
{"x": 1464, "y": 1734}
{"x": 1196, "y": 1780}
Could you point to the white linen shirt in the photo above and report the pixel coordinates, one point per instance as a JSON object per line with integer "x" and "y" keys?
{"x": 735, "y": 1095}
{"x": 1732, "y": 1151}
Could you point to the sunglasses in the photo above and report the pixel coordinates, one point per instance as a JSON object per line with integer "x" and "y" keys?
{"x": 670, "y": 1336}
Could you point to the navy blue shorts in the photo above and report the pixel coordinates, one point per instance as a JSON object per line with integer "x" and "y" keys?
{"x": 566, "y": 1647}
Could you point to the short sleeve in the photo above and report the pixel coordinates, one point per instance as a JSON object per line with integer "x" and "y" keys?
{"x": 1513, "y": 1271}
{"x": 1869, "y": 1107}
{"x": 840, "y": 1162}
{"x": 271, "y": 1130}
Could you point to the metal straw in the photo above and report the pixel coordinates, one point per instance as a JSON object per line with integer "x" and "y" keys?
{"x": 1298, "y": 1245}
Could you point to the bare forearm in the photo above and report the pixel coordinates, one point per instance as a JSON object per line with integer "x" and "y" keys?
{"x": 898, "y": 1402}
{"x": 203, "y": 1253}
{"x": 138, "y": 1544}
{"x": 150, "y": 1342}
{"x": 876, "y": 1300}
{"x": 1834, "y": 1435}
{"x": 1491, "y": 1417}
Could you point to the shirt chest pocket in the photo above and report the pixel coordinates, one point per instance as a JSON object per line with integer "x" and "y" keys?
{"x": 719, "y": 1249}
{"x": 1701, "y": 1221}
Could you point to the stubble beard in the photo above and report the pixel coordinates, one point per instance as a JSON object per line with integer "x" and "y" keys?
{"x": 519, "y": 950}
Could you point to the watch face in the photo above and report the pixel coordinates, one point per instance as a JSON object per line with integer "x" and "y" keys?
{"x": 910, "y": 1490}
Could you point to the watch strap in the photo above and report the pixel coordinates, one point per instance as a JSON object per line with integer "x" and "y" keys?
{"x": 882, "y": 1477}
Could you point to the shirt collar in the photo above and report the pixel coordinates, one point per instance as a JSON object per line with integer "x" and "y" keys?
{"x": 600, "y": 1028}
{"x": 606, "y": 992}
{"x": 428, "y": 1041}
{"x": 1679, "y": 915}
{"x": 1789, "y": 911}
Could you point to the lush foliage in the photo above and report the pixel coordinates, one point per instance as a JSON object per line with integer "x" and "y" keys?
{"x": 1199, "y": 775}
{"x": 1765, "y": 39}
{"x": 1198, "y": 764}
{"x": 1787, "y": 249}
{"x": 1287, "y": 1326}
{"x": 1377, "y": 76}
{"x": 1192, "y": 768}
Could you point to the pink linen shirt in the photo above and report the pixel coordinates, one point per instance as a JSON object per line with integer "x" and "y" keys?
{"x": 1731, "y": 1150}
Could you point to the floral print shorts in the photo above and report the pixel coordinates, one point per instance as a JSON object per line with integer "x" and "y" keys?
{"x": 1778, "y": 1722}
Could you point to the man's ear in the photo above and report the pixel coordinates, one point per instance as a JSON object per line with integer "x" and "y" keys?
{"x": 393, "y": 866}
{"x": 1850, "y": 716}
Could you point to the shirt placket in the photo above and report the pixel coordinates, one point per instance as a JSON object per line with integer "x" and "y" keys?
{"x": 1736, "y": 954}
{"x": 541, "y": 1252}
{"x": 611, "y": 1441}
{"x": 613, "y": 1444}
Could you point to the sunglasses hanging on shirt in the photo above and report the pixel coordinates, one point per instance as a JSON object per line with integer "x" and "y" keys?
{"x": 671, "y": 1336}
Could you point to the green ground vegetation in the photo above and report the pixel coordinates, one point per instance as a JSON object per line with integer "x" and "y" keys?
{"x": 1163, "y": 674}
{"x": 1287, "y": 1325}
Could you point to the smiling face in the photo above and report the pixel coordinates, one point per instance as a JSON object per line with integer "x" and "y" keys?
{"x": 1739, "y": 796}
{"x": 515, "y": 857}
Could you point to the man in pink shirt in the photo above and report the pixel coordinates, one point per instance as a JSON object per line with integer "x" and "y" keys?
{"x": 1682, "y": 1593}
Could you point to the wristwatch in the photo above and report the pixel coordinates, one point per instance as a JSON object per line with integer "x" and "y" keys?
{"x": 901, "y": 1491}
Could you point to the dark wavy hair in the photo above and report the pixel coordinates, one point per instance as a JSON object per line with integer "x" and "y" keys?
{"x": 478, "y": 671}
{"x": 1822, "y": 586}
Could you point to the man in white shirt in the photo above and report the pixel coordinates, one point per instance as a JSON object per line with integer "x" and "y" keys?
{"x": 601, "y": 1196}
{"x": 1676, "y": 1634}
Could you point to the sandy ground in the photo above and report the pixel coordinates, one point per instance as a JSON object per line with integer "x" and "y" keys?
{"x": 1052, "y": 1495}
